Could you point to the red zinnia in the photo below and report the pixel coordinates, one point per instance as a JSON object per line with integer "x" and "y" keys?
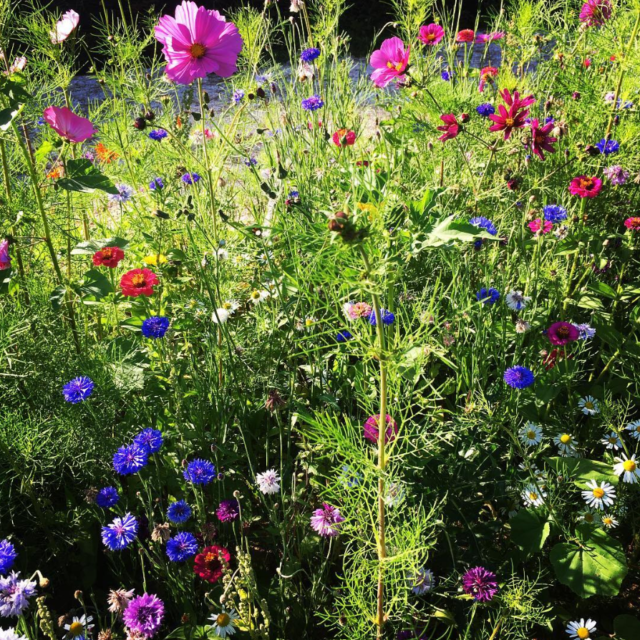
{"x": 560, "y": 333}
{"x": 466, "y": 35}
{"x": 540, "y": 138}
{"x": 487, "y": 74}
{"x": 138, "y": 282}
{"x": 451, "y": 127}
{"x": 585, "y": 187}
{"x": 515, "y": 116}
{"x": 108, "y": 257}
{"x": 633, "y": 223}
{"x": 208, "y": 564}
{"x": 344, "y": 137}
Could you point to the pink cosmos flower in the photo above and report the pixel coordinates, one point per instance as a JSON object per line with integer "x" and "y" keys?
{"x": 431, "y": 34}
{"x": 372, "y": 429}
{"x": 540, "y": 138}
{"x": 595, "y": 13}
{"x": 451, "y": 127}
{"x": 64, "y": 27}
{"x": 18, "y": 65}
{"x": 585, "y": 187}
{"x": 390, "y": 62}
{"x": 5, "y": 258}
{"x": 561, "y": 333}
{"x": 197, "y": 42}
{"x": 487, "y": 74}
{"x": 67, "y": 124}
{"x": 539, "y": 226}
{"x": 513, "y": 118}
{"x": 466, "y": 35}
{"x": 483, "y": 38}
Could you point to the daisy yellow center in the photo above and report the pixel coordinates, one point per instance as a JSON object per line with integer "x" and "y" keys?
{"x": 308, "y": 322}
{"x": 531, "y": 435}
{"x": 565, "y": 438}
{"x": 226, "y": 305}
{"x": 509, "y": 122}
{"x": 533, "y": 496}
{"x": 76, "y": 628}
{"x": 613, "y": 439}
{"x": 138, "y": 280}
{"x": 588, "y": 517}
{"x": 255, "y": 295}
{"x": 583, "y": 633}
{"x": 638, "y": 429}
{"x": 223, "y": 619}
{"x": 197, "y": 50}
{"x": 629, "y": 465}
{"x": 589, "y": 404}
{"x": 598, "y": 492}
{"x": 607, "y": 521}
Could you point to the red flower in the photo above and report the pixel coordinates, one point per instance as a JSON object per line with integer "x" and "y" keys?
{"x": 587, "y": 63}
{"x": 108, "y": 257}
{"x": 585, "y": 187}
{"x": 561, "y": 333}
{"x": 487, "y": 74}
{"x": 540, "y": 138}
{"x": 208, "y": 564}
{"x": 466, "y": 35}
{"x": 539, "y": 226}
{"x": 515, "y": 116}
{"x": 138, "y": 282}
{"x": 344, "y": 137}
{"x": 633, "y": 224}
{"x": 451, "y": 127}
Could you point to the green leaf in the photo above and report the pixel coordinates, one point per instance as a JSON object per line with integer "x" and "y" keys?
{"x": 603, "y": 289}
{"x": 595, "y": 565}
{"x": 586, "y": 301}
{"x": 449, "y": 230}
{"x": 7, "y": 115}
{"x": 529, "y": 531}
{"x": 56, "y": 298}
{"x": 89, "y": 247}
{"x": 626, "y": 627}
{"x": 83, "y": 177}
{"x": 95, "y": 285}
{"x": 44, "y": 150}
{"x": 583, "y": 470}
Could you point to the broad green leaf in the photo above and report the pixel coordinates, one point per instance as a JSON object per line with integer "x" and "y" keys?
{"x": 83, "y": 177}
{"x": 56, "y": 298}
{"x": 89, "y": 247}
{"x": 95, "y": 284}
{"x": 449, "y": 230}
{"x": 594, "y": 565}
{"x": 586, "y": 301}
{"x": 626, "y": 627}
{"x": 602, "y": 288}
{"x": 583, "y": 470}
{"x": 529, "y": 531}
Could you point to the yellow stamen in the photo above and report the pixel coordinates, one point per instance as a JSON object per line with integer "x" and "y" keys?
{"x": 598, "y": 492}
{"x": 629, "y": 465}
{"x": 197, "y": 50}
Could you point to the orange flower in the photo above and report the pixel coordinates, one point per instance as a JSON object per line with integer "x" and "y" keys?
{"x": 105, "y": 155}
{"x": 57, "y": 171}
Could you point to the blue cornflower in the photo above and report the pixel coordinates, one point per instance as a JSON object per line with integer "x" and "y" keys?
{"x": 130, "y": 459}
{"x": 446, "y": 75}
{"x": 238, "y": 96}
{"x": 78, "y": 390}
{"x": 519, "y": 377}
{"x": 484, "y": 223}
{"x": 608, "y": 146}
{"x": 586, "y": 331}
{"x": 309, "y": 55}
{"x": 124, "y": 194}
{"x": 120, "y": 533}
{"x": 549, "y": 119}
{"x": 107, "y": 497}
{"x": 190, "y": 178}
{"x": 554, "y": 213}
{"x": 486, "y": 109}
{"x": 488, "y": 296}
{"x": 182, "y": 546}
{"x": 199, "y": 472}
{"x": 149, "y": 439}
{"x": 157, "y": 184}
{"x": 155, "y": 327}
{"x": 386, "y": 316}
{"x": 313, "y": 103}
{"x": 294, "y": 195}
{"x": 40, "y": 122}
{"x": 8, "y": 555}
{"x": 179, "y": 512}
{"x": 14, "y": 595}
{"x": 344, "y": 336}
{"x": 251, "y": 162}
{"x": 158, "y": 134}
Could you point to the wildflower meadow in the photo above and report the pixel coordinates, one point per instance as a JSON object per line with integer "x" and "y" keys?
{"x": 302, "y": 345}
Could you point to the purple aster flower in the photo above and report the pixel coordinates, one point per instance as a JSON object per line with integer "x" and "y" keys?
{"x": 519, "y": 377}
{"x": 616, "y": 174}
{"x": 78, "y": 390}
{"x": 149, "y": 439}
{"x": 309, "y": 55}
{"x": 15, "y": 594}
{"x": 158, "y": 134}
{"x": 182, "y": 546}
{"x": 157, "y": 184}
{"x": 386, "y": 316}
{"x": 199, "y": 472}
{"x": 179, "y": 512}
{"x": 313, "y": 103}
{"x": 107, "y": 497}
{"x": 190, "y": 178}
{"x": 144, "y": 614}
{"x": 480, "y": 583}
{"x": 155, "y": 327}
{"x": 488, "y": 296}
{"x": 8, "y": 555}
{"x": 130, "y": 459}
{"x": 326, "y": 521}
{"x": 554, "y": 213}
{"x": 228, "y": 510}
{"x": 486, "y": 109}
{"x": 120, "y": 533}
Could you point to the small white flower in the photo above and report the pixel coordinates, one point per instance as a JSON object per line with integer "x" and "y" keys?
{"x": 627, "y": 468}
{"x": 589, "y": 405}
{"x": 612, "y": 441}
{"x": 78, "y": 627}
{"x": 522, "y": 326}
{"x": 530, "y": 434}
{"x": 609, "y": 522}
{"x": 257, "y": 297}
{"x": 587, "y": 516}
{"x": 268, "y": 482}
{"x": 516, "y": 300}
{"x": 533, "y": 496}
{"x": 581, "y": 630}
{"x": 10, "y": 634}
{"x": 224, "y": 622}
{"x": 634, "y": 429}
{"x": 599, "y": 496}
{"x": 231, "y": 306}
{"x": 222, "y": 254}
{"x": 566, "y": 444}
{"x": 220, "y": 316}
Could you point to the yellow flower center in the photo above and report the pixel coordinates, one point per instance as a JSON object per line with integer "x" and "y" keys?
{"x": 588, "y": 517}
{"x": 509, "y": 122}
{"x": 138, "y": 280}
{"x": 583, "y": 633}
{"x": 613, "y": 439}
{"x": 598, "y": 492}
{"x": 589, "y": 405}
{"x": 197, "y": 50}
{"x": 226, "y": 305}
{"x": 533, "y": 496}
{"x": 531, "y": 435}
{"x": 629, "y": 465}
{"x": 607, "y": 521}
{"x": 76, "y": 629}
{"x": 223, "y": 619}
{"x": 638, "y": 429}
{"x": 565, "y": 438}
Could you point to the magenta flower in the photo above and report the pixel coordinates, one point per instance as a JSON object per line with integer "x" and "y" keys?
{"x": 197, "y": 42}
{"x": 64, "y": 27}
{"x": 450, "y": 127}
{"x": 144, "y": 615}
{"x": 480, "y": 583}
{"x": 5, "y": 258}
{"x": 466, "y": 36}
{"x": 228, "y": 510}
{"x": 326, "y": 521}
{"x": 595, "y": 13}
{"x": 483, "y": 38}
{"x": 487, "y": 74}
{"x": 67, "y": 124}
{"x": 514, "y": 117}
{"x": 585, "y": 186}
{"x": 390, "y": 62}
{"x": 431, "y": 34}
{"x": 372, "y": 429}
{"x": 539, "y": 226}
{"x": 561, "y": 333}
{"x": 541, "y": 141}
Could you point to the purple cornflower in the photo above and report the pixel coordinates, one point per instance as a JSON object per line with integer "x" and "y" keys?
{"x": 120, "y": 533}
{"x": 158, "y": 134}
{"x": 124, "y": 194}
{"x": 250, "y": 162}
{"x": 313, "y": 103}
{"x": 554, "y": 213}
{"x": 199, "y": 472}
{"x": 238, "y": 96}
{"x": 309, "y": 55}
{"x": 484, "y": 223}
{"x": 15, "y": 594}
{"x": 488, "y": 296}
{"x": 149, "y": 439}
{"x": 486, "y": 109}
{"x": 107, "y": 497}
{"x": 144, "y": 614}
{"x": 228, "y": 510}
{"x": 480, "y": 583}
{"x": 8, "y": 555}
{"x": 519, "y": 377}
{"x": 386, "y": 316}
{"x": 616, "y": 174}
{"x": 157, "y": 184}
{"x": 446, "y": 75}
{"x": 78, "y": 390}
{"x": 344, "y": 336}
{"x": 608, "y": 147}
{"x": 179, "y": 512}
{"x": 190, "y": 178}
{"x": 155, "y": 327}
{"x": 182, "y": 546}
{"x": 130, "y": 459}
{"x": 586, "y": 331}
{"x": 326, "y": 521}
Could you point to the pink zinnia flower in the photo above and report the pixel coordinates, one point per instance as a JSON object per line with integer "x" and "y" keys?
{"x": 372, "y": 429}
{"x": 326, "y": 521}
{"x": 487, "y": 74}
{"x": 451, "y": 127}
{"x": 539, "y": 226}
{"x": 197, "y": 42}
{"x": 431, "y": 34}
{"x": 5, "y": 258}
{"x": 483, "y": 38}
{"x": 67, "y": 124}
{"x": 514, "y": 117}
{"x": 64, "y": 27}
{"x": 585, "y": 187}
{"x": 540, "y": 138}
{"x": 595, "y": 13}
{"x": 344, "y": 137}
{"x": 561, "y": 333}
{"x": 390, "y": 62}
{"x": 466, "y": 35}
{"x": 633, "y": 223}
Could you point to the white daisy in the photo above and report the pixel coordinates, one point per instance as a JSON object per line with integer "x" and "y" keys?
{"x": 599, "y": 496}
{"x": 589, "y": 405}
{"x": 582, "y": 629}
{"x": 634, "y": 429}
{"x": 609, "y": 522}
{"x": 612, "y": 441}
{"x": 78, "y": 627}
{"x": 530, "y": 434}
{"x": 224, "y": 622}
{"x": 231, "y": 305}
{"x": 516, "y": 300}
{"x": 566, "y": 443}
{"x": 222, "y": 254}
{"x": 587, "y": 515}
{"x": 533, "y": 496}
{"x": 257, "y": 297}
{"x": 627, "y": 468}
{"x": 268, "y": 482}
{"x": 309, "y": 321}
{"x": 220, "y": 316}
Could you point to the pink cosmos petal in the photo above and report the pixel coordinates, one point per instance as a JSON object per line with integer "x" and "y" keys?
{"x": 390, "y": 62}
{"x": 67, "y": 124}
{"x": 5, "y": 258}
{"x": 64, "y": 27}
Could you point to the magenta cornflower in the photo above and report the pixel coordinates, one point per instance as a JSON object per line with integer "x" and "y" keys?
{"x": 326, "y": 521}
{"x": 561, "y": 333}
{"x": 539, "y": 226}
{"x": 228, "y": 510}
{"x": 616, "y": 175}
{"x": 594, "y": 13}
{"x": 451, "y": 127}
{"x": 390, "y": 62}
{"x": 480, "y": 583}
{"x": 431, "y": 34}
{"x": 541, "y": 141}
